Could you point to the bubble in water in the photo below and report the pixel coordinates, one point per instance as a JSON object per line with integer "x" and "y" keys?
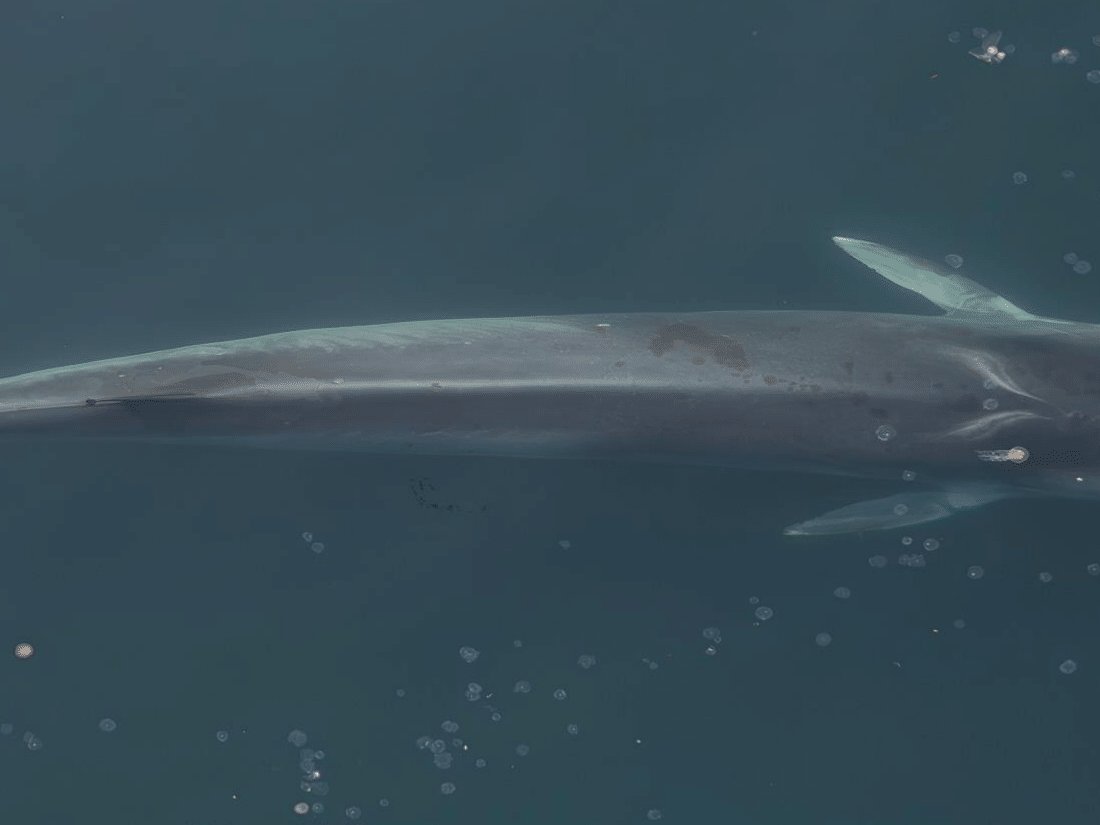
{"x": 908, "y": 475}
{"x": 1082, "y": 267}
{"x": 712, "y": 633}
{"x": 763, "y": 613}
{"x": 1068, "y": 666}
{"x": 990, "y": 404}
{"x": 653, "y": 814}
{"x": 522, "y": 686}
{"x": 222, "y": 736}
{"x": 572, "y": 729}
{"x": 842, "y": 592}
{"x": 1045, "y": 577}
{"x": 1093, "y": 76}
{"x": 32, "y": 742}
{"x": 906, "y": 540}
{"x": 975, "y": 571}
{"x": 443, "y": 760}
{"x": 884, "y": 432}
{"x": 6, "y": 728}
{"x": 107, "y": 724}
{"x": 479, "y": 763}
{"x": 447, "y": 788}
{"x": 1019, "y": 178}
{"x": 586, "y": 660}
{"x": 1065, "y": 55}
{"x": 823, "y": 639}
{"x": 473, "y": 692}
{"x": 560, "y": 694}
{"x": 1068, "y": 174}
{"x": 522, "y": 749}
{"x": 297, "y": 738}
{"x": 958, "y": 624}
{"x": 317, "y": 547}
{"x": 437, "y": 746}
{"x": 954, "y": 260}
{"x": 307, "y": 537}
{"x": 931, "y": 544}
{"x": 900, "y": 509}
{"x": 469, "y": 655}
{"x": 878, "y": 562}
{"x": 383, "y": 803}
{"x": 1070, "y": 258}
{"x": 953, "y": 37}
{"x": 353, "y": 812}
{"x": 1093, "y": 569}
{"x": 565, "y": 544}
{"x": 449, "y": 726}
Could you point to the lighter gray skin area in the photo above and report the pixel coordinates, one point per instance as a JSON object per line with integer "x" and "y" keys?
{"x": 814, "y": 391}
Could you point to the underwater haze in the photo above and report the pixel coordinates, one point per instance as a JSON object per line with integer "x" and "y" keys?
{"x": 197, "y": 635}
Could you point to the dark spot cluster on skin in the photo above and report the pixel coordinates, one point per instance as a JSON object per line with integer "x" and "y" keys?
{"x": 721, "y": 348}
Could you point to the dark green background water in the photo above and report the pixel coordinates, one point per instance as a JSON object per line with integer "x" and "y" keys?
{"x": 172, "y": 173}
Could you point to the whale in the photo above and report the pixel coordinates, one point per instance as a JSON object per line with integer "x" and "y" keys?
{"x": 949, "y": 412}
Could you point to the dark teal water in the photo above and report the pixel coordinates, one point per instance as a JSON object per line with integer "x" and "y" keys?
{"x": 178, "y": 173}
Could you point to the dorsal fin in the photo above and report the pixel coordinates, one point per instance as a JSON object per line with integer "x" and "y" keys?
{"x": 945, "y": 288}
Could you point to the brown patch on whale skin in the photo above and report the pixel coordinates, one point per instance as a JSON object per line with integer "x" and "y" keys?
{"x": 723, "y": 349}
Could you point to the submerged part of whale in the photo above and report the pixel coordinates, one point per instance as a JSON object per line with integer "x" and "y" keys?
{"x": 981, "y": 403}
